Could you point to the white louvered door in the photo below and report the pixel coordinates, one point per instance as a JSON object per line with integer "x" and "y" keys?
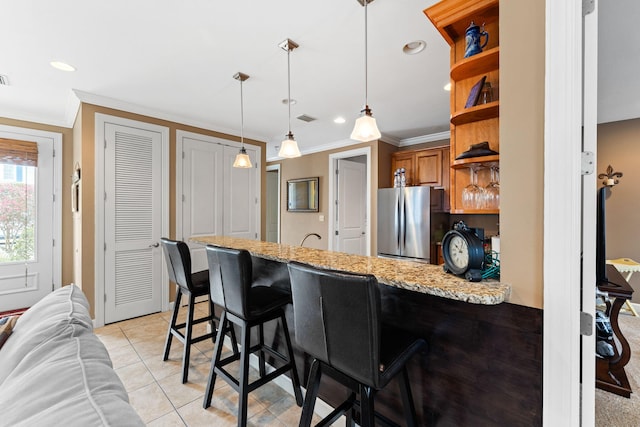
{"x": 133, "y": 222}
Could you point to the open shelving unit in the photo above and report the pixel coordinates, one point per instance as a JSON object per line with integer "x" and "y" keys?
{"x": 480, "y": 122}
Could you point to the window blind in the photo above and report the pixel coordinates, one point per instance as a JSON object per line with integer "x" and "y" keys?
{"x": 14, "y": 152}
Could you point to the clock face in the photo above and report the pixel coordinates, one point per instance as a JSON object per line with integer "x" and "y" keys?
{"x": 459, "y": 252}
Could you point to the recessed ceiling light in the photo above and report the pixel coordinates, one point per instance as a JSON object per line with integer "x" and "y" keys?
{"x": 62, "y": 66}
{"x": 339, "y": 120}
{"x": 414, "y": 47}
{"x": 286, "y": 101}
{"x": 447, "y": 87}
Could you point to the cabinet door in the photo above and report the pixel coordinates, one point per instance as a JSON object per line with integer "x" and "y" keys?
{"x": 406, "y": 161}
{"x": 429, "y": 168}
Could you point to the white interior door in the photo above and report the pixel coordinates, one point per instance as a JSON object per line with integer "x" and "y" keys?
{"x": 241, "y": 206}
{"x": 217, "y": 199}
{"x": 589, "y": 191}
{"x": 133, "y": 188}
{"x": 273, "y": 205}
{"x": 351, "y": 221}
{"x": 30, "y": 238}
{"x": 202, "y": 185}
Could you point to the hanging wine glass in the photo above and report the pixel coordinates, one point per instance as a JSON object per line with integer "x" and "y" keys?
{"x": 492, "y": 190}
{"x": 472, "y": 194}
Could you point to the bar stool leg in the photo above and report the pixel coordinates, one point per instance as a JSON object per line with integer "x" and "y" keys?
{"x": 295, "y": 380}
{"x": 263, "y": 370}
{"x": 217, "y": 352}
{"x": 313, "y": 385}
{"x": 243, "y": 381}
{"x": 367, "y": 418}
{"x": 187, "y": 338}
{"x": 407, "y": 398}
{"x": 172, "y": 324}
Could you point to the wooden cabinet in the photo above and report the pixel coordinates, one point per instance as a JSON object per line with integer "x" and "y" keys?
{"x": 429, "y": 166}
{"x": 423, "y": 167}
{"x": 479, "y": 123}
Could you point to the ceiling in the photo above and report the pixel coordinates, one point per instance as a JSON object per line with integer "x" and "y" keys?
{"x": 176, "y": 60}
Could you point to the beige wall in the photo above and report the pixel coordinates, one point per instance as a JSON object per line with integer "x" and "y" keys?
{"x": 295, "y": 225}
{"x": 618, "y": 146}
{"x": 522, "y": 149}
{"x": 67, "y": 163}
{"x": 85, "y": 126}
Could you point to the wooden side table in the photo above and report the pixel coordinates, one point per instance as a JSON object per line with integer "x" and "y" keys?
{"x": 610, "y": 373}
{"x": 627, "y": 267}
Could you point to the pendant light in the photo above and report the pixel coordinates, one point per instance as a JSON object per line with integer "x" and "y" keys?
{"x": 289, "y": 147}
{"x": 365, "y": 129}
{"x": 242, "y": 158}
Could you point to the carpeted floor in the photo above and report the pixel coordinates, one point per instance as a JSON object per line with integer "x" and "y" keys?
{"x": 613, "y": 410}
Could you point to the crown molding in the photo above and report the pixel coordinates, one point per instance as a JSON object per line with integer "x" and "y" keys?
{"x": 425, "y": 138}
{"x": 104, "y": 101}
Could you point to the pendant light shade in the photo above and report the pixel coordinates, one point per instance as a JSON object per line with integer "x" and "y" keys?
{"x": 289, "y": 147}
{"x": 365, "y": 129}
{"x": 242, "y": 158}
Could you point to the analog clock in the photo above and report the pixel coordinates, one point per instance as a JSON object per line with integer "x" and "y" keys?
{"x": 463, "y": 252}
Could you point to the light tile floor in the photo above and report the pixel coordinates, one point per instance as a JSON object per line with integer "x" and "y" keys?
{"x": 155, "y": 388}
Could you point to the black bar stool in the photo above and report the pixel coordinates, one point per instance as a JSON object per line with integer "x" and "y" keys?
{"x": 193, "y": 286}
{"x": 337, "y": 319}
{"x": 247, "y": 306}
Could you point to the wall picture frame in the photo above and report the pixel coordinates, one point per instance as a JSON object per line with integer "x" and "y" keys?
{"x": 474, "y": 94}
{"x": 302, "y": 194}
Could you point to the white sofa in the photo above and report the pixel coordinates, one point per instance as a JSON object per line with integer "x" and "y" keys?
{"x": 54, "y": 371}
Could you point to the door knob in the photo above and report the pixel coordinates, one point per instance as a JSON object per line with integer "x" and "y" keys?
{"x": 154, "y": 245}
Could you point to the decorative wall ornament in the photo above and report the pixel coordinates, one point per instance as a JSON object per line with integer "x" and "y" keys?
{"x": 611, "y": 177}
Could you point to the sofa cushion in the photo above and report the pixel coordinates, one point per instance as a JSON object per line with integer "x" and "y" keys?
{"x": 52, "y": 314}
{"x": 67, "y": 380}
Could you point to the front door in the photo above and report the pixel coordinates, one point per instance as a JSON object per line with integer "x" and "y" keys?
{"x": 29, "y": 215}
{"x": 133, "y": 217}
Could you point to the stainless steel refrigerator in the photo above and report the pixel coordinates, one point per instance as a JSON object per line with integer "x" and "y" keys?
{"x": 407, "y": 217}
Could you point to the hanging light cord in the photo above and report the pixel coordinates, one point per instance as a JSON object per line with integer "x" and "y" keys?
{"x": 366, "y": 75}
{"x": 289, "y": 84}
{"x": 241, "y": 116}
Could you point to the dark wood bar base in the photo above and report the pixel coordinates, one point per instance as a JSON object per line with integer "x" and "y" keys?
{"x": 482, "y": 366}
{"x": 610, "y": 373}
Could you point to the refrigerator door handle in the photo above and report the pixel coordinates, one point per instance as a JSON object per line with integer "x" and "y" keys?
{"x": 402, "y": 231}
{"x": 396, "y": 223}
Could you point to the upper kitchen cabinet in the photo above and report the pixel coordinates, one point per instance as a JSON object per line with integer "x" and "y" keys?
{"x": 428, "y": 166}
{"x": 475, "y": 84}
{"x": 423, "y": 167}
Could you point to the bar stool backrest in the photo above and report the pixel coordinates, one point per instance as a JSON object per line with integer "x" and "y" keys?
{"x": 337, "y": 319}
{"x": 235, "y": 272}
{"x": 178, "y": 260}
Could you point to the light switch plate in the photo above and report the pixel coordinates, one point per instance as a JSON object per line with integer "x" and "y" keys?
{"x": 321, "y": 218}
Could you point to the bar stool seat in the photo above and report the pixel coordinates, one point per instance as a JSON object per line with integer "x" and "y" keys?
{"x": 247, "y": 306}
{"x": 337, "y": 318}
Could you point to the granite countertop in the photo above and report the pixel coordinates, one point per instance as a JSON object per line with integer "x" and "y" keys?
{"x": 410, "y": 275}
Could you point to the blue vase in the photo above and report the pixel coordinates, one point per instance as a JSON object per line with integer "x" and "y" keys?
{"x": 473, "y": 36}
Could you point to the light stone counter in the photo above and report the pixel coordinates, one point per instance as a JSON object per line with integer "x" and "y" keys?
{"x": 410, "y": 275}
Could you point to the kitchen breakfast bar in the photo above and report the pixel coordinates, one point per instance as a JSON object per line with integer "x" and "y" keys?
{"x": 483, "y": 361}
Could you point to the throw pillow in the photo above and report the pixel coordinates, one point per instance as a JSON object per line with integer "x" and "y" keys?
{"x": 6, "y": 327}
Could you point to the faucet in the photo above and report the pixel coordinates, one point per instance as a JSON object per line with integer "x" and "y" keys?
{"x": 310, "y": 234}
